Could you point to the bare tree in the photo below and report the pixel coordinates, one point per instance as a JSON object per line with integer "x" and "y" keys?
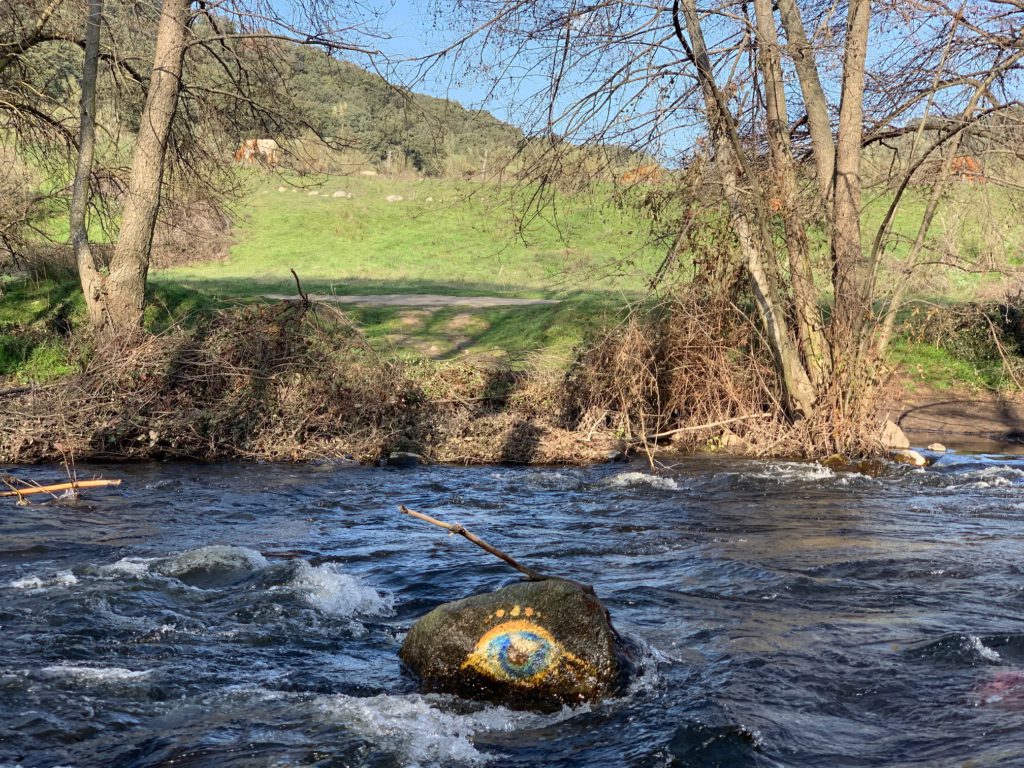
{"x": 184, "y": 82}
{"x": 781, "y": 105}
{"x": 88, "y": 268}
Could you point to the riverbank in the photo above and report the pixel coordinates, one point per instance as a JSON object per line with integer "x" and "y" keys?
{"x": 296, "y": 382}
{"x": 292, "y": 381}
{"x": 962, "y": 419}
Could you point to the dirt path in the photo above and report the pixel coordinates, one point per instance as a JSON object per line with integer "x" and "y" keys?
{"x": 419, "y": 300}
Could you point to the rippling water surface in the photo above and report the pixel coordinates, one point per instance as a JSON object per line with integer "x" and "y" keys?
{"x": 250, "y": 615}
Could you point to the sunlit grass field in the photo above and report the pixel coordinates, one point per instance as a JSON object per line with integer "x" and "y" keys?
{"x": 590, "y": 252}
{"x": 441, "y": 237}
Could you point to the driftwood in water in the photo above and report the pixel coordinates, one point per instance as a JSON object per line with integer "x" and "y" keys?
{"x": 531, "y": 574}
{"x": 72, "y": 486}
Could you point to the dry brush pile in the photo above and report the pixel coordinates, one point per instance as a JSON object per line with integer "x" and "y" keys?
{"x": 289, "y": 381}
{"x": 695, "y": 372}
{"x": 297, "y": 381}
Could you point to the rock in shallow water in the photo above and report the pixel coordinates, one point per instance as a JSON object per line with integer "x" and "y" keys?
{"x": 531, "y": 645}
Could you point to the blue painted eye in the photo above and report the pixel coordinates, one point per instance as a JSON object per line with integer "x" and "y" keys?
{"x": 519, "y": 653}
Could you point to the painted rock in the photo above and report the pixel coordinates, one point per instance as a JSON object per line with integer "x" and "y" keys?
{"x": 531, "y": 645}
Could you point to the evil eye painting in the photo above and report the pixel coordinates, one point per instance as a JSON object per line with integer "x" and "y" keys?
{"x": 518, "y": 651}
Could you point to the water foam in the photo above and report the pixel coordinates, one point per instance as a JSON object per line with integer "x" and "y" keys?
{"x": 988, "y": 654}
{"x": 798, "y": 471}
{"x": 132, "y": 567}
{"x": 421, "y": 733}
{"x": 335, "y": 593}
{"x": 637, "y": 479}
{"x": 86, "y": 674}
{"x": 1002, "y": 476}
{"x": 59, "y": 579}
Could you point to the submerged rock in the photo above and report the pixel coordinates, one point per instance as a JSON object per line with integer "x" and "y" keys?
{"x": 911, "y": 457}
{"x": 531, "y": 645}
{"x": 404, "y": 459}
{"x": 213, "y": 567}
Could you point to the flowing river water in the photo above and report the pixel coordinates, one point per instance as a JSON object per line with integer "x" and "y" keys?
{"x": 250, "y": 615}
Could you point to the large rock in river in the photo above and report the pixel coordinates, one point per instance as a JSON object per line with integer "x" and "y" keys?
{"x": 531, "y": 645}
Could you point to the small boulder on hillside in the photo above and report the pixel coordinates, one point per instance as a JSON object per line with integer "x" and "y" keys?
{"x": 531, "y": 645}
{"x": 394, "y": 198}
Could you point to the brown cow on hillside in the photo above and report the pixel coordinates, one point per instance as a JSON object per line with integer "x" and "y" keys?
{"x": 644, "y": 174}
{"x": 968, "y": 168}
{"x": 252, "y": 151}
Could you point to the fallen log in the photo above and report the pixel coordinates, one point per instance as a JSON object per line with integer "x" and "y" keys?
{"x": 72, "y": 486}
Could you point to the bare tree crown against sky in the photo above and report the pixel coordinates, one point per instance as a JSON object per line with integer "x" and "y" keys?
{"x": 781, "y": 101}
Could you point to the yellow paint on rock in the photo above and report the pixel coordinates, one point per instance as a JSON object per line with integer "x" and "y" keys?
{"x": 521, "y": 652}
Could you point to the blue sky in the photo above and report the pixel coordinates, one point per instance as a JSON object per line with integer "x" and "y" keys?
{"x": 415, "y": 29}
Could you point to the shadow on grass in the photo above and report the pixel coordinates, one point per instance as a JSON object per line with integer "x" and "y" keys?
{"x": 437, "y": 333}
{"x": 255, "y": 287}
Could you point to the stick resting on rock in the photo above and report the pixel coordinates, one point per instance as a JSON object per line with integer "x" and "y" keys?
{"x": 531, "y": 574}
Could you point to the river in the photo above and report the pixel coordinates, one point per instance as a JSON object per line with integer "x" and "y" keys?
{"x": 250, "y": 615}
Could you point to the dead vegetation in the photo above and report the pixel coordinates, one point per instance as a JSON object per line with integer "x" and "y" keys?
{"x": 290, "y": 381}
{"x": 695, "y": 372}
{"x": 296, "y": 381}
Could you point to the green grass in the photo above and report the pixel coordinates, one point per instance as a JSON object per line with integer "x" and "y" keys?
{"x": 36, "y": 315}
{"x": 981, "y": 223}
{"x": 515, "y": 332}
{"x": 938, "y": 368}
{"x": 464, "y": 238}
{"x": 447, "y": 237}
{"x": 444, "y": 236}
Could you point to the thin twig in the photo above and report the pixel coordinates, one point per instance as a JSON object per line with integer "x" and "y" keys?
{"x": 699, "y": 427}
{"x": 303, "y": 295}
{"x": 531, "y": 574}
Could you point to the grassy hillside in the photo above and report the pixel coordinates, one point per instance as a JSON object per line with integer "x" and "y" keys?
{"x": 467, "y": 239}
{"x": 442, "y": 237}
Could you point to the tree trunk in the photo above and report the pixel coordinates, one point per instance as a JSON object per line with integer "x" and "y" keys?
{"x": 88, "y": 272}
{"x": 851, "y": 270}
{"x": 818, "y": 123}
{"x": 126, "y": 285}
{"x": 750, "y": 223}
{"x": 784, "y": 168}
